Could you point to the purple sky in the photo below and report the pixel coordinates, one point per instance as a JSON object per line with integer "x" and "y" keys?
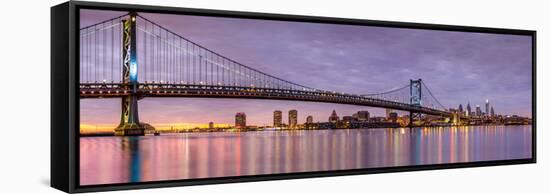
{"x": 457, "y": 66}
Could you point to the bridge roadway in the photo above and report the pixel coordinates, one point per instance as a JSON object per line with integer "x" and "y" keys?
{"x": 112, "y": 90}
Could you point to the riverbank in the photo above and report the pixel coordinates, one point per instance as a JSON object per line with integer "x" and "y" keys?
{"x": 256, "y": 130}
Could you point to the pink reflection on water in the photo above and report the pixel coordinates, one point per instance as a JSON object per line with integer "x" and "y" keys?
{"x": 105, "y": 160}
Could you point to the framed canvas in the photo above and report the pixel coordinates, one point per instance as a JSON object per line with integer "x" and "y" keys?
{"x": 148, "y": 96}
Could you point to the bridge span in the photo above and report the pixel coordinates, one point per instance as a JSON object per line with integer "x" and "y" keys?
{"x": 106, "y": 90}
{"x": 171, "y": 65}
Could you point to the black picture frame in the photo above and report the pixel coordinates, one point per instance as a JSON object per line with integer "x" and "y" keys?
{"x": 65, "y": 106}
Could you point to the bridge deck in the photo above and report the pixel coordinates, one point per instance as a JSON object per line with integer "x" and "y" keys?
{"x": 110, "y": 90}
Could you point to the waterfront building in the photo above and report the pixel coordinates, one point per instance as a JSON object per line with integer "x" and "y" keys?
{"x": 309, "y": 123}
{"x": 333, "y": 117}
{"x": 277, "y": 118}
{"x": 149, "y": 129}
{"x": 393, "y": 117}
{"x": 309, "y": 119}
{"x": 468, "y": 110}
{"x": 460, "y": 110}
{"x": 292, "y": 119}
{"x": 487, "y": 111}
{"x": 348, "y": 119}
{"x": 388, "y": 111}
{"x": 363, "y": 115}
{"x": 376, "y": 119}
{"x": 327, "y": 125}
{"x": 492, "y": 112}
{"x": 478, "y": 111}
{"x": 346, "y": 122}
{"x": 240, "y": 120}
{"x": 211, "y": 125}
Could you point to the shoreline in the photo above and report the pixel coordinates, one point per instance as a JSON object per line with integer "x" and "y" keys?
{"x": 107, "y": 134}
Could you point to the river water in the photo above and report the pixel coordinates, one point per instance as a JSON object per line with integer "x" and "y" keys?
{"x": 106, "y": 160}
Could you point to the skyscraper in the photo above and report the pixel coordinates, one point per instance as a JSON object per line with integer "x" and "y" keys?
{"x": 333, "y": 117}
{"x": 492, "y": 112}
{"x": 460, "y": 110}
{"x": 468, "y": 109}
{"x": 211, "y": 125}
{"x": 277, "y": 118}
{"x": 478, "y": 110}
{"x": 487, "y": 107}
{"x": 292, "y": 119}
{"x": 240, "y": 120}
{"x": 309, "y": 122}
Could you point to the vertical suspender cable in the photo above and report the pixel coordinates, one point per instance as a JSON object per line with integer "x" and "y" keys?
{"x": 103, "y": 71}
{"x": 95, "y": 53}
{"x": 112, "y": 52}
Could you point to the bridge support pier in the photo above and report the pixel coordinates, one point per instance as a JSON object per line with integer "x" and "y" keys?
{"x": 129, "y": 120}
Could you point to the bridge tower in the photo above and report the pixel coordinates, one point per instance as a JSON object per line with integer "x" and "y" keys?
{"x": 415, "y": 99}
{"x": 129, "y": 119}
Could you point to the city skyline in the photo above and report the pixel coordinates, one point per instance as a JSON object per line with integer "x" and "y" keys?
{"x": 269, "y": 118}
{"x": 460, "y": 67}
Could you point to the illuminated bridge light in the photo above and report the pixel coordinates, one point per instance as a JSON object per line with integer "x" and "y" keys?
{"x": 133, "y": 71}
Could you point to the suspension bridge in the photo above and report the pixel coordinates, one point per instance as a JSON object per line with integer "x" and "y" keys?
{"x": 172, "y": 66}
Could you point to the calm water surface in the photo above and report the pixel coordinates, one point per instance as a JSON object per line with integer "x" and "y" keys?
{"x": 105, "y": 160}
